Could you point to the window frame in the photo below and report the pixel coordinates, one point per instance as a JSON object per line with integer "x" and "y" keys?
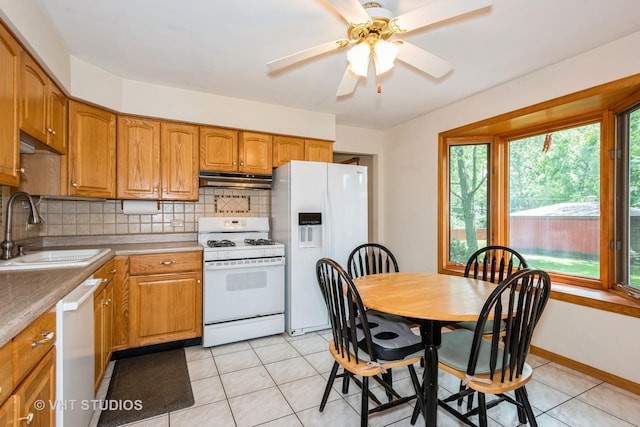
{"x": 599, "y": 104}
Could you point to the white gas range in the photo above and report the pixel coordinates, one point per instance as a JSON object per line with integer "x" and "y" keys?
{"x": 243, "y": 294}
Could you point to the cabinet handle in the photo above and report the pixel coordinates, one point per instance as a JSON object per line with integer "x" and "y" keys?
{"x": 0, "y": 390}
{"x": 107, "y": 301}
{"x": 28, "y": 418}
{"x": 167, "y": 262}
{"x": 74, "y": 184}
{"x": 111, "y": 271}
{"x": 20, "y": 170}
{"x": 53, "y": 132}
{"x": 105, "y": 280}
{"x": 48, "y": 336}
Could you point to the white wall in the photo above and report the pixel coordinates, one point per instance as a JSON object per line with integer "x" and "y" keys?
{"x": 410, "y": 191}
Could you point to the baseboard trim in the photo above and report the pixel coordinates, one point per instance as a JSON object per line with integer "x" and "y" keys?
{"x": 588, "y": 370}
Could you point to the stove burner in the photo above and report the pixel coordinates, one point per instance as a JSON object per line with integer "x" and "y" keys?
{"x": 220, "y": 243}
{"x": 259, "y": 242}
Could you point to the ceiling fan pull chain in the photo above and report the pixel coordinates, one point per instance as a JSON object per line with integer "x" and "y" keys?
{"x": 379, "y": 84}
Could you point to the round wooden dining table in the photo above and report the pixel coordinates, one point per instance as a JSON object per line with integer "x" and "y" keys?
{"x": 432, "y": 301}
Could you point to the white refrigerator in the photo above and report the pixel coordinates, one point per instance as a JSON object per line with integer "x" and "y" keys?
{"x": 317, "y": 210}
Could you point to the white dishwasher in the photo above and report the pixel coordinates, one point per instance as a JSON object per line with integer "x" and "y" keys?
{"x": 75, "y": 356}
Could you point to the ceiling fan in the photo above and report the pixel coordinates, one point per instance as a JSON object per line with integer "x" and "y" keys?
{"x": 370, "y": 28}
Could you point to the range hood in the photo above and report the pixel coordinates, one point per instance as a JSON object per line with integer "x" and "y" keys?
{"x": 235, "y": 180}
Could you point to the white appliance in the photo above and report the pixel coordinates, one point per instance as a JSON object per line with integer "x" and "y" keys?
{"x": 75, "y": 356}
{"x": 243, "y": 293}
{"x": 317, "y": 210}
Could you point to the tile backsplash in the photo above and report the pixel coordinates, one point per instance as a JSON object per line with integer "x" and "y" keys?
{"x": 87, "y": 217}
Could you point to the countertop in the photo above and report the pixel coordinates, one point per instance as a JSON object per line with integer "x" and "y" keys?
{"x": 25, "y": 295}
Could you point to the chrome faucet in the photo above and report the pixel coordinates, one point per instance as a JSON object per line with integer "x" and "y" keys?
{"x": 34, "y": 218}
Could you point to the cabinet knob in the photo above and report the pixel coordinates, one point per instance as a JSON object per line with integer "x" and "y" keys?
{"x": 48, "y": 336}
{"x": 198, "y": 281}
{"x": 28, "y": 418}
{"x": 111, "y": 271}
{"x": 20, "y": 170}
{"x": 155, "y": 189}
{"x": 107, "y": 301}
{"x": 241, "y": 163}
{"x": 51, "y": 131}
{"x": 74, "y": 184}
{"x": 234, "y": 163}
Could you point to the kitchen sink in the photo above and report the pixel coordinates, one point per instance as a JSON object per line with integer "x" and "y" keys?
{"x": 57, "y": 258}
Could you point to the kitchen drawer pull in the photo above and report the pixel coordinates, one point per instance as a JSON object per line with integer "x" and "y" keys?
{"x": 167, "y": 262}
{"x": 105, "y": 280}
{"x": 28, "y": 418}
{"x": 48, "y": 336}
{"x": 111, "y": 271}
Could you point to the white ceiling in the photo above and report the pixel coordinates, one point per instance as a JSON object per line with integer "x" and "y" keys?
{"x": 222, "y": 47}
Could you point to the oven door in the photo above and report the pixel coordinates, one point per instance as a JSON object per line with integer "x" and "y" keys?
{"x": 240, "y": 289}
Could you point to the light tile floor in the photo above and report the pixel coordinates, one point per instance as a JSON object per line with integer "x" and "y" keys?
{"x": 278, "y": 381}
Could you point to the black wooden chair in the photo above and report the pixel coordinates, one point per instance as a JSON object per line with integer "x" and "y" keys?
{"x": 364, "y": 346}
{"x": 371, "y": 258}
{"x": 492, "y": 264}
{"x": 497, "y": 365}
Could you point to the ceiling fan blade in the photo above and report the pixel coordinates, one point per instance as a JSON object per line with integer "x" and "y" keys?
{"x": 348, "y": 83}
{"x": 351, "y": 10}
{"x": 437, "y": 12}
{"x": 423, "y": 60}
{"x": 294, "y": 58}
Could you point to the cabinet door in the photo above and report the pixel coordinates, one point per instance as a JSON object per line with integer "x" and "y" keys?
{"x": 35, "y": 94}
{"x": 138, "y": 158}
{"x": 287, "y": 148}
{"x": 120, "y": 300}
{"x": 57, "y": 120}
{"x": 92, "y": 151}
{"x": 179, "y": 163}
{"x": 10, "y": 53}
{"x": 318, "y": 151}
{"x": 218, "y": 149}
{"x": 165, "y": 307}
{"x": 9, "y": 412}
{"x": 255, "y": 153}
{"x": 38, "y": 386}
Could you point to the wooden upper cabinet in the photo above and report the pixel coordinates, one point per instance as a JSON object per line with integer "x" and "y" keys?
{"x": 43, "y": 106}
{"x": 10, "y": 53}
{"x": 138, "y": 154}
{"x": 318, "y": 151}
{"x": 218, "y": 149}
{"x": 227, "y": 150}
{"x": 255, "y": 153}
{"x": 179, "y": 162}
{"x": 287, "y": 148}
{"x": 57, "y": 116}
{"x": 92, "y": 151}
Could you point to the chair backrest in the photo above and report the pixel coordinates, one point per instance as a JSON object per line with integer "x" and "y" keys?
{"x": 371, "y": 258}
{"x": 494, "y": 263}
{"x": 348, "y": 320}
{"x": 519, "y": 300}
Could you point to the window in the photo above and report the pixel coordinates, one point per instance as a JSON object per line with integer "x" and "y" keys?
{"x": 628, "y": 200}
{"x": 557, "y": 181}
{"x": 554, "y": 200}
{"x": 468, "y": 197}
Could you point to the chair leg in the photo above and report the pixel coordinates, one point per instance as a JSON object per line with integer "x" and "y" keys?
{"x": 327, "y": 389}
{"x": 524, "y": 399}
{"x": 364, "y": 406}
{"x": 482, "y": 410}
{"x": 388, "y": 378}
{"x": 345, "y": 384}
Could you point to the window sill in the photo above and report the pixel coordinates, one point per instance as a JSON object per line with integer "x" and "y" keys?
{"x": 613, "y": 301}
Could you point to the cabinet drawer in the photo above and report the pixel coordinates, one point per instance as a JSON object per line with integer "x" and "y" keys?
{"x": 165, "y": 263}
{"x": 6, "y": 382}
{"x": 30, "y": 345}
{"x": 107, "y": 272}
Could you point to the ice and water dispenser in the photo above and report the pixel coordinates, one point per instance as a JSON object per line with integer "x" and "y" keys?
{"x": 310, "y": 229}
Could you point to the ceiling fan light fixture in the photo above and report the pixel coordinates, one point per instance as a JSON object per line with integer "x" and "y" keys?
{"x": 358, "y": 57}
{"x": 385, "y": 54}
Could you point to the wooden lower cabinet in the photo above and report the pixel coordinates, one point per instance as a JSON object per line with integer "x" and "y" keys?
{"x": 36, "y": 389}
{"x": 121, "y": 304}
{"x": 165, "y": 297}
{"x": 103, "y": 320}
{"x": 9, "y": 412}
